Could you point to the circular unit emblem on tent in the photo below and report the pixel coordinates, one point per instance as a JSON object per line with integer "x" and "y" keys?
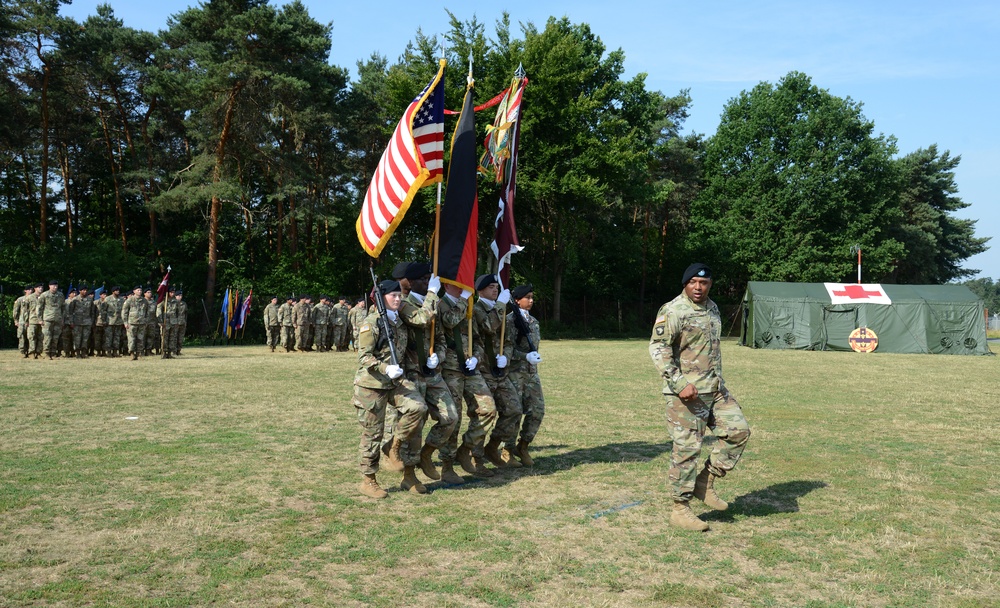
{"x": 863, "y": 340}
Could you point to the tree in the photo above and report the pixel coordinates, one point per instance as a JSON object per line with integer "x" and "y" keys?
{"x": 936, "y": 242}
{"x": 793, "y": 178}
{"x": 989, "y": 291}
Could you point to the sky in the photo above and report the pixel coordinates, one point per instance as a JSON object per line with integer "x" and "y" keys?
{"x": 926, "y": 72}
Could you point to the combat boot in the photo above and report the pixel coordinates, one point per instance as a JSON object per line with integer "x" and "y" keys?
{"x": 509, "y": 460}
{"x": 522, "y": 453}
{"x": 683, "y": 517}
{"x": 394, "y": 461}
{"x": 426, "y": 464}
{"x": 369, "y": 487}
{"x": 492, "y": 452}
{"x": 704, "y": 490}
{"x": 481, "y": 470}
{"x": 411, "y": 483}
{"x": 464, "y": 456}
{"x": 449, "y": 476}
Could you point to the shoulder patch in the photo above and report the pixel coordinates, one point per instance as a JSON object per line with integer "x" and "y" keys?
{"x": 660, "y": 319}
{"x": 364, "y": 328}
{"x": 659, "y": 330}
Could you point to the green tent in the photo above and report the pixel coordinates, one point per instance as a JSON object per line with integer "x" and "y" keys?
{"x": 938, "y": 319}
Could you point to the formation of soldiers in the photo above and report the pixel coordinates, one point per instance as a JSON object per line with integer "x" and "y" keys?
{"x": 423, "y": 357}
{"x": 80, "y": 326}
{"x": 300, "y": 325}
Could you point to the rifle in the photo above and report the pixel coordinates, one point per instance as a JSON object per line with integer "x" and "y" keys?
{"x": 522, "y": 328}
{"x": 385, "y": 328}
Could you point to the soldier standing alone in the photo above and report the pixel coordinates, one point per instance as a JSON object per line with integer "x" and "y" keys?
{"x": 685, "y": 347}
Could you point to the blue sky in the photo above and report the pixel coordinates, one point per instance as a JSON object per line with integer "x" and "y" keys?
{"x": 927, "y": 72}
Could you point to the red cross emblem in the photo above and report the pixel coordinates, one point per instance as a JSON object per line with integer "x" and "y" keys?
{"x": 857, "y": 292}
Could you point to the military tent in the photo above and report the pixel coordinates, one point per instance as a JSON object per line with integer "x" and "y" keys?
{"x": 938, "y": 319}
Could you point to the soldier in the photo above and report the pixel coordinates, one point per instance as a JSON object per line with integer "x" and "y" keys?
{"x": 172, "y": 322}
{"x": 134, "y": 315}
{"x": 272, "y": 323}
{"x": 302, "y": 319}
{"x": 356, "y": 317}
{"x": 321, "y": 314}
{"x": 340, "y": 336}
{"x": 489, "y": 315}
{"x": 35, "y": 338}
{"x": 81, "y": 317}
{"x": 21, "y": 313}
{"x": 113, "y": 335}
{"x": 100, "y": 323}
{"x": 378, "y": 381}
{"x": 521, "y": 350}
{"x": 180, "y": 322}
{"x": 52, "y": 312}
{"x": 67, "y": 331}
{"x": 285, "y": 317}
{"x": 685, "y": 347}
{"x": 153, "y": 319}
{"x": 461, "y": 373}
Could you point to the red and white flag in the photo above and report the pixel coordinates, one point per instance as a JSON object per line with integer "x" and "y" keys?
{"x": 855, "y": 293}
{"x": 413, "y": 159}
{"x": 161, "y": 291}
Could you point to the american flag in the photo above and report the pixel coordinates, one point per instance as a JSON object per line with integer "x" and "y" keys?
{"x": 413, "y": 159}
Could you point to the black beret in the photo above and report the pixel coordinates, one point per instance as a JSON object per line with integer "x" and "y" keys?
{"x": 274, "y": 297}
{"x": 388, "y": 286}
{"x": 116, "y": 288}
{"x": 485, "y": 280}
{"x": 53, "y": 282}
{"x": 29, "y": 286}
{"x": 290, "y": 298}
{"x": 344, "y": 298}
{"x": 179, "y": 292}
{"x": 171, "y": 289}
{"x": 696, "y": 270}
{"x": 149, "y": 289}
{"x": 84, "y": 286}
{"x": 416, "y": 270}
{"x": 73, "y": 290}
{"x": 139, "y": 287}
{"x": 521, "y": 290}
{"x": 39, "y": 285}
{"x": 399, "y": 270}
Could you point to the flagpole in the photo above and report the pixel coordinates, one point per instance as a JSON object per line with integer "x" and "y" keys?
{"x": 437, "y": 227}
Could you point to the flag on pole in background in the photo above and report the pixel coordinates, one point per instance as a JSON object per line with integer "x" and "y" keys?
{"x": 413, "y": 159}
{"x": 234, "y": 308}
{"x": 244, "y": 311}
{"x": 225, "y": 313}
{"x": 161, "y": 291}
{"x": 457, "y": 236}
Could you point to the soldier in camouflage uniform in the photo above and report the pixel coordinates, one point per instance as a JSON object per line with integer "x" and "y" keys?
{"x": 171, "y": 322}
{"x": 378, "y": 382}
{"x": 180, "y": 322}
{"x": 115, "y": 330}
{"x": 488, "y": 314}
{"x": 302, "y": 319}
{"x": 321, "y": 314}
{"x": 461, "y": 373}
{"x": 35, "y": 338}
{"x": 338, "y": 324}
{"x": 134, "y": 315}
{"x": 21, "y": 313}
{"x": 521, "y": 349}
{"x": 154, "y": 315}
{"x": 287, "y": 326}
{"x": 100, "y": 323}
{"x": 66, "y": 338}
{"x": 685, "y": 346}
{"x": 52, "y": 312}
{"x": 81, "y": 315}
{"x": 357, "y": 316}
{"x": 272, "y": 324}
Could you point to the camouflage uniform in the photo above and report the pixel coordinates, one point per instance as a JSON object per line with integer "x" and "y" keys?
{"x": 100, "y": 324}
{"x": 181, "y": 323}
{"x": 272, "y": 325}
{"x": 338, "y": 323}
{"x": 468, "y": 388}
{"x": 356, "y": 317}
{"x": 81, "y": 315}
{"x": 35, "y": 338}
{"x": 134, "y": 315}
{"x": 373, "y": 390}
{"x": 66, "y": 336}
{"x": 524, "y": 374}
{"x": 172, "y": 323}
{"x": 321, "y": 321}
{"x": 685, "y": 346}
{"x": 116, "y": 326}
{"x": 302, "y": 319}
{"x": 154, "y": 316}
{"x": 20, "y": 313}
{"x": 287, "y": 327}
{"x": 488, "y": 320}
{"x": 52, "y": 312}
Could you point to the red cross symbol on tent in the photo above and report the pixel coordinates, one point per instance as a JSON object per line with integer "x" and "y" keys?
{"x": 857, "y": 292}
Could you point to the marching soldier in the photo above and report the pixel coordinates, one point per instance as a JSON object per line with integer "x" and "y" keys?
{"x": 272, "y": 323}
{"x": 521, "y": 350}
{"x": 52, "y": 312}
{"x": 285, "y": 317}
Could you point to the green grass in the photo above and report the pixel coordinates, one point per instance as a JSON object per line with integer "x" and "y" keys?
{"x": 869, "y": 481}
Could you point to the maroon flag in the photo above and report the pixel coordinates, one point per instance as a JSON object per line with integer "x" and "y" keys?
{"x": 457, "y": 235}
{"x": 413, "y": 159}
{"x": 161, "y": 290}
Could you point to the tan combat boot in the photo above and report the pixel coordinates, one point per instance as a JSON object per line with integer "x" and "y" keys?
{"x": 481, "y": 470}
{"x": 683, "y": 517}
{"x": 509, "y": 460}
{"x": 464, "y": 457}
{"x": 394, "y": 461}
{"x": 426, "y": 464}
{"x": 492, "y": 452}
{"x": 411, "y": 483}
{"x": 369, "y": 487}
{"x": 522, "y": 453}
{"x": 704, "y": 490}
{"x": 449, "y": 476}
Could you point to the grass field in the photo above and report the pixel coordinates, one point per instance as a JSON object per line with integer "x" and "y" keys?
{"x": 870, "y": 480}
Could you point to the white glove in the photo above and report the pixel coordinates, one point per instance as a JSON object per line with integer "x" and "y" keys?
{"x": 465, "y": 294}
{"x": 393, "y": 371}
{"x": 434, "y": 285}
{"x": 501, "y": 361}
{"x": 533, "y": 357}
{"x": 471, "y": 363}
{"x": 432, "y": 361}
{"x": 504, "y": 296}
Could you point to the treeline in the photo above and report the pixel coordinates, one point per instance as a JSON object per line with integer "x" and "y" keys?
{"x": 229, "y": 146}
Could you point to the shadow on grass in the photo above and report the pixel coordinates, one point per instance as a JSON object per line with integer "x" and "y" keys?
{"x": 779, "y": 498}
